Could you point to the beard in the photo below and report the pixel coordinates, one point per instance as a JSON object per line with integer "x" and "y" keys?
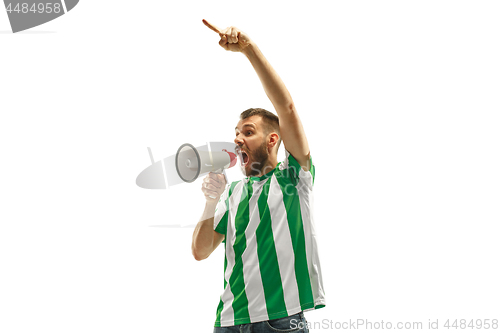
{"x": 257, "y": 159}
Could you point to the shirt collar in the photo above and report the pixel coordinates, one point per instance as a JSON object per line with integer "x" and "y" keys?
{"x": 267, "y": 175}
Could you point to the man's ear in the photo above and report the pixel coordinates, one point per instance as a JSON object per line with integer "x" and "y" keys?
{"x": 272, "y": 140}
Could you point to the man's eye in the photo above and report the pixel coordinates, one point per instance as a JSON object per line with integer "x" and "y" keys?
{"x": 249, "y": 132}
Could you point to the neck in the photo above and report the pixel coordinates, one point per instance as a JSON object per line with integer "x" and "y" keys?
{"x": 270, "y": 164}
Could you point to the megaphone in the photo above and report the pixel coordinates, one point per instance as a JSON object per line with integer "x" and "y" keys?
{"x": 188, "y": 164}
{"x": 191, "y": 162}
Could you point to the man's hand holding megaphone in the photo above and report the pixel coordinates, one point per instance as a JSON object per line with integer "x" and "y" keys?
{"x": 231, "y": 39}
{"x": 213, "y": 186}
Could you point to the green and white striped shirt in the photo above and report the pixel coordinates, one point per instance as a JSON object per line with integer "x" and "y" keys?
{"x": 271, "y": 264}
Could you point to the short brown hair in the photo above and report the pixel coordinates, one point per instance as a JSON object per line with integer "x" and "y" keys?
{"x": 270, "y": 120}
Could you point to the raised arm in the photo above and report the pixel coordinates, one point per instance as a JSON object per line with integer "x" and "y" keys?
{"x": 292, "y": 131}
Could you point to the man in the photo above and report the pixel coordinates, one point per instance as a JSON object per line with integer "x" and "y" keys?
{"x": 272, "y": 270}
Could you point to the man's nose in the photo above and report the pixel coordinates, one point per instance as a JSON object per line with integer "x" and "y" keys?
{"x": 238, "y": 141}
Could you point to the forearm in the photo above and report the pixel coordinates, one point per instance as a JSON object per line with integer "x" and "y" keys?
{"x": 273, "y": 85}
{"x": 203, "y": 235}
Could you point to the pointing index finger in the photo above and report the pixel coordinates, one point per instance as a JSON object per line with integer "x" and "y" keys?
{"x": 212, "y": 27}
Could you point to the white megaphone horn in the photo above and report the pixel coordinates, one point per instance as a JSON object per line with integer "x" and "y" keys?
{"x": 188, "y": 164}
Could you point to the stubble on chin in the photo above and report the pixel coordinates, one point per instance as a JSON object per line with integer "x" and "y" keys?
{"x": 256, "y": 167}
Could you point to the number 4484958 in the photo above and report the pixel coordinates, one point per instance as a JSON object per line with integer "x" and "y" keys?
{"x": 41, "y": 7}
{"x": 477, "y": 324}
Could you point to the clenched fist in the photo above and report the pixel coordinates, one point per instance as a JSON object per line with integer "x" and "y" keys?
{"x": 213, "y": 186}
{"x": 231, "y": 39}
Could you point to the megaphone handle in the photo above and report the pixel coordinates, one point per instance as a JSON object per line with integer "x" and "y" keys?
{"x": 225, "y": 177}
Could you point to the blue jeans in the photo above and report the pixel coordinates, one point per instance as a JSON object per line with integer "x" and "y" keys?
{"x": 292, "y": 324}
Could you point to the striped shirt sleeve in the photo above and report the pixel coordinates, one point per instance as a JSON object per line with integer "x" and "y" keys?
{"x": 295, "y": 171}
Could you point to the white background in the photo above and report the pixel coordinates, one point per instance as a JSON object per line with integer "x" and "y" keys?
{"x": 400, "y": 102}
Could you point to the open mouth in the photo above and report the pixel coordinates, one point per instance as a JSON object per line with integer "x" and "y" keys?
{"x": 243, "y": 156}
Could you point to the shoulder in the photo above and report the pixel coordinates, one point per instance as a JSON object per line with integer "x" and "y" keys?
{"x": 292, "y": 168}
